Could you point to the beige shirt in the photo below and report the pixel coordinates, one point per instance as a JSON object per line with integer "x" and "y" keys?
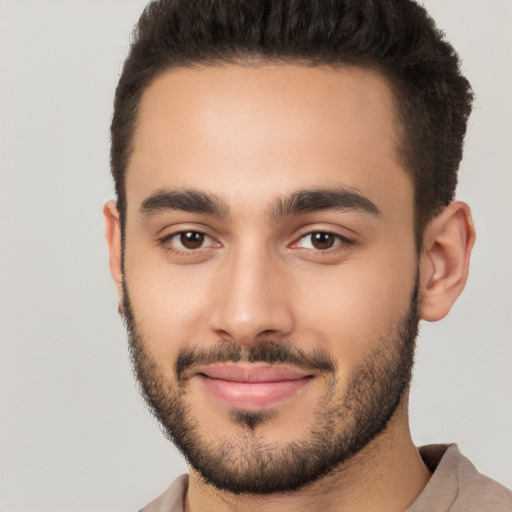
{"x": 455, "y": 486}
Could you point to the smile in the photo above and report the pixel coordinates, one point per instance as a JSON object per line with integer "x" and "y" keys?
{"x": 252, "y": 387}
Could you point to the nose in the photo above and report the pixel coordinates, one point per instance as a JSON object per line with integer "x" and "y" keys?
{"x": 252, "y": 299}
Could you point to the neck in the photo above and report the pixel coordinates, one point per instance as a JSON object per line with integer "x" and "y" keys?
{"x": 387, "y": 475}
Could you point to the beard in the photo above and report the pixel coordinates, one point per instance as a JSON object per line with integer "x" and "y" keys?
{"x": 243, "y": 462}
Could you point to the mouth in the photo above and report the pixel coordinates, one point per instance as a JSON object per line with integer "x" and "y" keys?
{"x": 251, "y": 386}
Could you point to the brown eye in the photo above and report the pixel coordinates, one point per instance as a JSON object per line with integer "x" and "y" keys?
{"x": 192, "y": 239}
{"x": 322, "y": 240}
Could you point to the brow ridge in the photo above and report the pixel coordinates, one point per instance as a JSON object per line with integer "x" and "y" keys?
{"x": 188, "y": 200}
{"x": 322, "y": 199}
{"x": 302, "y": 201}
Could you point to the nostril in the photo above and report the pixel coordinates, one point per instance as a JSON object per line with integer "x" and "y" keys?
{"x": 268, "y": 332}
{"x": 223, "y": 335}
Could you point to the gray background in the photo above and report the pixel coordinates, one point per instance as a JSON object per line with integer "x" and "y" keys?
{"x": 74, "y": 435}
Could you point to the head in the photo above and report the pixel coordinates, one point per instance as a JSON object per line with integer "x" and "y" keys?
{"x": 398, "y": 39}
{"x": 284, "y": 175}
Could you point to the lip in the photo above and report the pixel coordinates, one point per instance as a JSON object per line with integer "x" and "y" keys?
{"x": 252, "y": 386}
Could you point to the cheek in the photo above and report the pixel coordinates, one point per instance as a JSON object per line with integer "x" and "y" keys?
{"x": 168, "y": 301}
{"x": 352, "y": 307}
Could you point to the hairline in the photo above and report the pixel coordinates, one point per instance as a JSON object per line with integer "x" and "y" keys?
{"x": 255, "y": 60}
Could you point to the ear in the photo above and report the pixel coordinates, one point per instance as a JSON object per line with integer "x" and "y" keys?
{"x": 447, "y": 245}
{"x": 113, "y": 237}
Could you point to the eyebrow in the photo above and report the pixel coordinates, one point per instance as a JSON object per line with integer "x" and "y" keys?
{"x": 188, "y": 200}
{"x": 322, "y": 199}
{"x": 302, "y": 201}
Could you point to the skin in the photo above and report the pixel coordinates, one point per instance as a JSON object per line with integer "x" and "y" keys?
{"x": 251, "y": 135}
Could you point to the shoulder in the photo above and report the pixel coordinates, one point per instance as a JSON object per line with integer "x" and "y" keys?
{"x": 172, "y": 499}
{"x": 457, "y": 486}
{"x": 479, "y": 491}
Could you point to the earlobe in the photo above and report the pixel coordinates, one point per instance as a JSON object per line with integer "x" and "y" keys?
{"x": 447, "y": 246}
{"x": 113, "y": 238}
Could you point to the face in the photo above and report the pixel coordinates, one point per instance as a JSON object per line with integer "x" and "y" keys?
{"x": 270, "y": 270}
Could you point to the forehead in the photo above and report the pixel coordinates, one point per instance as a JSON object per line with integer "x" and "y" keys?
{"x": 244, "y": 130}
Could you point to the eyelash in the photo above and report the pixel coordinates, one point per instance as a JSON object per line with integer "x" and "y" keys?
{"x": 342, "y": 243}
{"x": 167, "y": 246}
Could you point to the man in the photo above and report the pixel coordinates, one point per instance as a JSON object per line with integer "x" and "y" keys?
{"x": 285, "y": 175}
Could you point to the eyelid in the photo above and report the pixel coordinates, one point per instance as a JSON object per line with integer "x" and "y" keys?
{"x": 344, "y": 240}
{"x": 165, "y": 242}
{"x": 343, "y": 243}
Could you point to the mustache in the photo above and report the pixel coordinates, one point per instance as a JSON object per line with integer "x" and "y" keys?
{"x": 268, "y": 351}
